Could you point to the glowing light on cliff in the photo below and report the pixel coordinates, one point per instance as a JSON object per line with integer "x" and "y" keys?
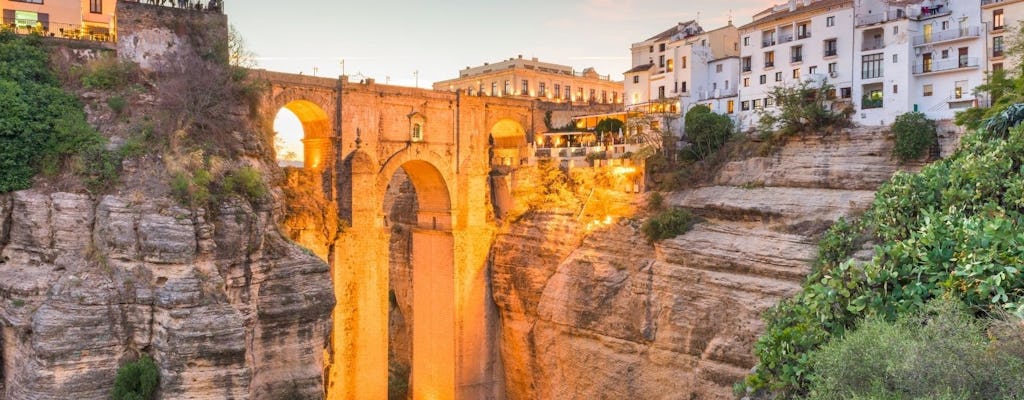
{"x": 623, "y": 171}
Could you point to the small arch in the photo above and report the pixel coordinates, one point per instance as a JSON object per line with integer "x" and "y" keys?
{"x": 303, "y": 132}
{"x": 417, "y": 124}
{"x": 508, "y": 143}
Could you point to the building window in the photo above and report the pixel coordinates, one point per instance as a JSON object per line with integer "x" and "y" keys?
{"x": 796, "y": 53}
{"x": 730, "y": 107}
{"x": 846, "y": 93}
{"x": 417, "y": 132}
{"x": 542, "y": 90}
{"x": 579, "y": 94}
{"x": 636, "y": 79}
{"x": 661, "y": 47}
{"x": 593, "y": 95}
{"x": 745, "y": 106}
{"x": 746, "y": 40}
{"x": 726, "y": 84}
{"x": 757, "y": 104}
{"x": 812, "y": 69}
{"x": 778, "y": 76}
{"x": 661, "y": 92}
{"x": 764, "y": 79}
{"x": 945, "y": 54}
{"x": 95, "y": 6}
{"x": 682, "y": 62}
{"x": 830, "y": 48}
{"x": 769, "y": 59}
{"x": 796, "y": 73}
{"x": 494, "y": 88}
{"x": 830, "y": 21}
{"x": 895, "y": 58}
{"x": 526, "y": 88}
{"x": 684, "y": 86}
{"x": 769, "y": 102}
{"x": 895, "y": 30}
{"x": 558, "y": 88}
{"x": 871, "y": 66}
{"x": 568, "y": 92}
{"x": 508, "y": 88}
{"x": 604, "y": 96}
{"x": 833, "y": 68}
{"x": 927, "y": 90}
{"x": 718, "y": 68}
{"x": 997, "y": 19}
{"x": 945, "y": 25}
{"x": 746, "y": 82}
{"x": 661, "y": 61}
{"x": 958, "y": 89}
{"x": 669, "y": 65}
{"x": 745, "y": 64}
{"x": 895, "y": 89}
{"x": 997, "y": 46}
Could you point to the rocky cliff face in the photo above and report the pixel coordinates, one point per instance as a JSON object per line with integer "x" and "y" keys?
{"x": 227, "y": 308}
{"x": 605, "y": 315}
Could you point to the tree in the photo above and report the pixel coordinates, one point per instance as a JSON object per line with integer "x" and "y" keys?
{"x": 803, "y": 107}
{"x": 136, "y": 380}
{"x": 608, "y": 125}
{"x": 706, "y": 131}
{"x": 915, "y": 134}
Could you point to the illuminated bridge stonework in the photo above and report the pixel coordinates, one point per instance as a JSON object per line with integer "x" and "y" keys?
{"x": 357, "y": 135}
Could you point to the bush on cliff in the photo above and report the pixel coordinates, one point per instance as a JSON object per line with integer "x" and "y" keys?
{"x": 953, "y": 229}
{"x": 939, "y": 352}
{"x": 706, "y": 132}
{"x": 136, "y": 380}
{"x": 915, "y": 136}
{"x": 667, "y": 224}
{"x": 40, "y": 124}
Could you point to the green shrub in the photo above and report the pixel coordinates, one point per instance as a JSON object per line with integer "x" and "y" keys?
{"x": 915, "y": 135}
{"x": 108, "y": 73}
{"x": 940, "y": 352}
{"x": 706, "y": 131}
{"x": 655, "y": 201}
{"x": 117, "y": 104}
{"x": 192, "y": 189}
{"x": 246, "y": 182}
{"x": 803, "y": 107}
{"x": 668, "y": 224}
{"x": 40, "y": 124}
{"x": 136, "y": 380}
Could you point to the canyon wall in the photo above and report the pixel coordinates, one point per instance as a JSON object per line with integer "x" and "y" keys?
{"x": 606, "y": 315}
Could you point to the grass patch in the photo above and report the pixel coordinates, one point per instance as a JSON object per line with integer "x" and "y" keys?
{"x": 667, "y": 224}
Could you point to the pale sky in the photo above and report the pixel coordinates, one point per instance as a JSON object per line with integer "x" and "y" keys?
{"x": 390, "y": 40}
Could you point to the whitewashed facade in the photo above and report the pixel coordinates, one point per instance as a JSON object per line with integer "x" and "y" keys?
{"x": 681, "y": 67}
{"x": 925, "y": 56}
{"x": 1001, "y": 19}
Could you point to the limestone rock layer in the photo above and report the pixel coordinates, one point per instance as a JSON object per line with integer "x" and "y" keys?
{"x": 604, "y": 315}
{"x": 227, "y": 308}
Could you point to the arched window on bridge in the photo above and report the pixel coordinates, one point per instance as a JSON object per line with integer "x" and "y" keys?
{"x": 417, "y": 132}
{"x": 417, "y": 123}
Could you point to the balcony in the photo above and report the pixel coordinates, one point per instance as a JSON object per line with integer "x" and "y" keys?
{"x": 997, "y": 52}
{"x": 768, "y": 43}
{"x": 746, "y": 68}
{"x": 785, "y": 38}
{"x": 869, "y": 102}
{"x": 769, "y": 64}
{"x": 948, "y": 35}
{"x": 871, "y": 19}
{"x": 831, "y": 52}
{"x": 945, "y": 65}
{"x": 929, "y": 12}
{"x": 716, "y": 94}
{"x": 796, "y": 59}
{"x": 873, "y": 44}
{"x": 803, "y": 35}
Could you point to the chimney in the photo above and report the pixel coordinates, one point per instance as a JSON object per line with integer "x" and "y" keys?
{"x": 520, "y": 56}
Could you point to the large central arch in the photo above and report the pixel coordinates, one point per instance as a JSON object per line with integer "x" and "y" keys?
{"x": 363, "y": 282}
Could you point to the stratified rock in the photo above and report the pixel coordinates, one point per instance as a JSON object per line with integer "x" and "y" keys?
{"x": 605, "y": 315}
{"x": 227, "y": 308}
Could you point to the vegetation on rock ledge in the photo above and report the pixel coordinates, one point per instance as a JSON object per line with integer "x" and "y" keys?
{"x": 954, "y": 229}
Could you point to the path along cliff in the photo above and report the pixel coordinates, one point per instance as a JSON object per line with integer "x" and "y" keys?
{"x": 603, "y": 314}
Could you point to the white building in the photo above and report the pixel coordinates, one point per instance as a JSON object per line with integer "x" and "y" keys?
{"x": 924, "y": 56}
{"x": 1001, "y": 20}
{"x": 684, "y": 66}
{"x": 791, "y": 43}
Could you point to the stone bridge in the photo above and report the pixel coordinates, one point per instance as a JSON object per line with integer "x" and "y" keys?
{"x": 357, "y": 136}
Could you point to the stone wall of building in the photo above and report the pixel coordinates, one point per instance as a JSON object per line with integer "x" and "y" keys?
{"x": 148, "y": 33}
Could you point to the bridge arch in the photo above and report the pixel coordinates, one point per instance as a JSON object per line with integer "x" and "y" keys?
{"x": 508, "y": 143}
{"x": 316, "y": 131}
{"x": 433, "y": 186}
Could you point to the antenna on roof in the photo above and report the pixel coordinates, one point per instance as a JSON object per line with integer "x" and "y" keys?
{"x": 730, "y": 17}
{"x": 698, "y": 17}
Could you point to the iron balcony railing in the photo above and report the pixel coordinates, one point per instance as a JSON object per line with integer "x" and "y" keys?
{"x": 767, "y": 43}
{"x": 947, "y": 35}
{"x": 804, "y": 35}
{"x": 831, "y": 52}
{"x": 946, "y": 65}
